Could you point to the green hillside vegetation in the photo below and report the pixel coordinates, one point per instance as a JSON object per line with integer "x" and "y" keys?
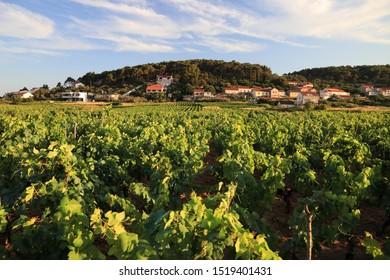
{"x": 213, "y": 75}
{"x": 345, "y": 77}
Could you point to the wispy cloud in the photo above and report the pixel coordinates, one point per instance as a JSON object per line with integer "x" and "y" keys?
{"x": 191, "y": 26}
{"x": 18, "y": 22}
{"x": 230, "y": 45}
{"x": 362, "y": 20}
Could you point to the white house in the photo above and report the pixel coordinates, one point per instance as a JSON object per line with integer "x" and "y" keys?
{"x": 75, "y": 96}
{"x": 365, "y": 88}
{"x": 305, "y": 97}
{"x": 244, "y": 89}
{"x": 384, "y": 91}
{"x": 329, "y": 92}
{"x": 25, "y": 94}
{"x": 165, "y": 81}
{"x": 232, "y": 91}
{"x": 201, "y": 93}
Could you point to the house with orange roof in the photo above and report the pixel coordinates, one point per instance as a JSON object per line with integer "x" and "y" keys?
{"x": 383, "y": 91}
{"x": 155, "y": 88}
{"x": 329, "y": 92}
{"x": 267, "y": 92}
{"x": 232, "y": 91}
{"x": 305, "y": 97}
{"x": 366, "y": 88}
{"x": 201, "y": 93}
{"x": 244, "y": 89}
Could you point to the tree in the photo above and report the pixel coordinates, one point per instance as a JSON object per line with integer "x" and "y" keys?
{"x": 309, "y": 105}
{"x": 69, "y": 82}
{"x": 16, "y": 99}
{"x": 42, "y": 94}
{"x": 210, "y": 88}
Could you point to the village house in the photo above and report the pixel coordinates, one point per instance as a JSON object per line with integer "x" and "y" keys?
{"x": 308, "y": 90}
{"x": 305, "y": 97}
{"x": 165, "y": 81}
{"x": 267, "y": 93}
{"x": 329, "y": 92}
{"x": 244, "y": 89}
{"x": 75, "y": 96}
{"x": 201, "y": 93}
{"x": 232, "y": 91}
{"x": 384, "y": 91}
{"x": 293, "y": 93}
{"x": 25, "y": 94}
{"x": 261, "y": 92}
{"x": 365, "y": 88}
{"x": 34, "y": 90}
{"x": 239, "y": 90}
{"x": 156, "y": 88}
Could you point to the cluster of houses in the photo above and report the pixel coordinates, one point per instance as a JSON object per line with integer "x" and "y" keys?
{"x": 73, "y": 96}
{"x": 374, "y": 91}
{"x": 302, "y": 93}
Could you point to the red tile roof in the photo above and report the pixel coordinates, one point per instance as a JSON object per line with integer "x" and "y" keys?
{"x": 334, "y": 90}
{"x": 155, "y": 88}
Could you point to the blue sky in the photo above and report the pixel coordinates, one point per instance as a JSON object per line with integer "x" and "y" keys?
{"x": 46, "y": 41}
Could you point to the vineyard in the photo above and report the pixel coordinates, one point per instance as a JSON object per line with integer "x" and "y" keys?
{"x": 173, "y": 181}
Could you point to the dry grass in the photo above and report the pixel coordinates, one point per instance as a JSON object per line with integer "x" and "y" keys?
{"x": 362, "y": 108}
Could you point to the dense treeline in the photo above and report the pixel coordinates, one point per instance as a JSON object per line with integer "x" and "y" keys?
{"x": 346, "y": 76}
{"x": 213, "y": 75}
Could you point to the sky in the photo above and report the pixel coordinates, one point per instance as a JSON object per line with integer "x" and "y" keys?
{"x": 46, "y": 41}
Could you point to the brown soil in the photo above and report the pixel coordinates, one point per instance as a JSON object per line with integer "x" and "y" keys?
{"x": 206, "y": 178}
{"x": 371, "y": 220}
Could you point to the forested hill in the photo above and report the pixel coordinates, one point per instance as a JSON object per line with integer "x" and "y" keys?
{"x": 344, "y": 76}
{"x": 214, "y": 75}
{"x": 189, "y": 73}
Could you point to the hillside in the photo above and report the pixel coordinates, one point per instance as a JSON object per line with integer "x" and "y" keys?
{"x": 347, "y": 77}
{"x": 215, "y": 74}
